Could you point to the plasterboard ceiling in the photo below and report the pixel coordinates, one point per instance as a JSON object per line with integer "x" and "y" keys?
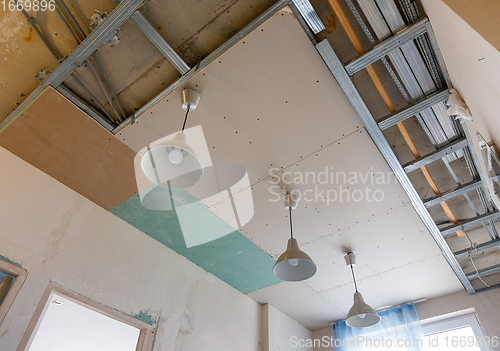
{"x": 271, "y": 105}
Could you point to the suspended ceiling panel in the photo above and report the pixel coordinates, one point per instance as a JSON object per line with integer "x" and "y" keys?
{"x": 401, "y": 284}
{"x": 271, "y": 105}
{"x": 58, "y": 138}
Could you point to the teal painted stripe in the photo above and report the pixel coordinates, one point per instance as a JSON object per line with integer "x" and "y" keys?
{"x": 3, "y": 258}
{"x": 232, "y": 258}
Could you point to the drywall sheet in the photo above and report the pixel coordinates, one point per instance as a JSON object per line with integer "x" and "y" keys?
{"x": 58, "y": 138}
{"x": 198, "y": 234}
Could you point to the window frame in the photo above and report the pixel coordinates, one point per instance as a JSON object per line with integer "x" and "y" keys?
{"x": 147, "y": 331}
{"x": 457, "y": 322}
{"x": 20, "y": 275}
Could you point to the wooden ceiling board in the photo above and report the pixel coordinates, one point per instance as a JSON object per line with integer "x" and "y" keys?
{"x": 58, "y": 138}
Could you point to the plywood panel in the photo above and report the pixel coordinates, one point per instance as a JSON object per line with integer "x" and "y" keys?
{"x": 58, "y": 138}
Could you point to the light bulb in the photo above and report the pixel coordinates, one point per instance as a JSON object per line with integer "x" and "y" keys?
{"x": 293, "y": 261}
{"x": 175, "y": 156}
{"x": 362, "y": 315}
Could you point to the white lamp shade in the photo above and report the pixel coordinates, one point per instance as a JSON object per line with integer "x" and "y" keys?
{"x": 361, "y": 315}
{"x": 294, "y": 265}
{"x": 160, "y": 169}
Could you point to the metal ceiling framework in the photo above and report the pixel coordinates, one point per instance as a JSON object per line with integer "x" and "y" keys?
{"x": 400, "y": 44}
{"x": 125, "y": 10}
{"x": 420, "y": 75}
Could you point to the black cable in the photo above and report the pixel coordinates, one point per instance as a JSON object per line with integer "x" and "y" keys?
{"x": 185, "y": 119}
{"x": 354, "y": 278}
{"x": 291, "y": 228}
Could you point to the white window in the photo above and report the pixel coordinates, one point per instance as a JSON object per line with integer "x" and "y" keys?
{"x": 460, "y": 333}
{"x": 67, "y": 321}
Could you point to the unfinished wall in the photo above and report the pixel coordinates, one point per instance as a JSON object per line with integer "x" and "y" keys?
{"x": 325, "y": 335}
{"x": 282, "y": 333}
{"x": 58, "y": 235}
{"x": 486, "y": 304}
{"x": 482, "y": 15}
{"x": 471, "y": 61}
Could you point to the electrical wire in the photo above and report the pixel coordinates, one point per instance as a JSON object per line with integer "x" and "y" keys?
{"x": 469, "y": 254}
{"x": 291, "y": 228}
{"x": 185, "y": 120}
{"x": 477, "y": 272}
{"x": 354, "y": 278}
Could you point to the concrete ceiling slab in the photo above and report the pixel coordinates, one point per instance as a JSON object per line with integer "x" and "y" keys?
{"x": 24, "y": 53}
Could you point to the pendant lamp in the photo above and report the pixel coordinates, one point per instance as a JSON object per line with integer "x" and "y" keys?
{"x": 293, "y": 265}
{"x": 173, "y": 164}
{"x": 360, "y": 315}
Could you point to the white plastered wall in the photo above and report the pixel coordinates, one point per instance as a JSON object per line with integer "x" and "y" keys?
{"x": 58, "y": 235}
{"x": 282, "y": 333}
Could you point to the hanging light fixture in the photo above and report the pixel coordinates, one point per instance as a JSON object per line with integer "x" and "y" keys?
{"x": 360, "y": 315}
{"x": 293, "y": 265}
{"x": 173, "y": 164}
